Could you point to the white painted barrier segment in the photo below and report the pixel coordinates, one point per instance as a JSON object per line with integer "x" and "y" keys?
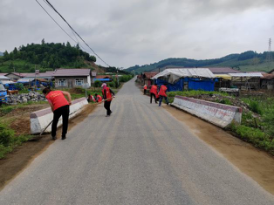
{"x": 40, "y": 119}
{"x": 216, "y": 113}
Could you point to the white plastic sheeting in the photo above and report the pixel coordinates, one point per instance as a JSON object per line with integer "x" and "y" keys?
{"x": 245, "y": 74}
{"x": 2, "y": 77}
{"x": 175, "y": 74}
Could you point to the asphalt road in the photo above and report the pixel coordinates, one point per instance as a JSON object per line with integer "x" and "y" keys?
{"x": 140, "y": 155}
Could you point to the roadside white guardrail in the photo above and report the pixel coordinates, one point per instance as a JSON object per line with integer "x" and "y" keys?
{"x": 40, "y": 119}
{"x": 216, "y": 113}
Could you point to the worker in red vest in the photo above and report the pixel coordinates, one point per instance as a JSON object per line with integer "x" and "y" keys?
{"x": 162, "y": 94}
{"x": 153, "y": 92}
{"x": 98, "y": 98}
{"x": 59, "y": 106}
{"x": 108, "y": 94}
{"x": 145, "y": 89}
{"x": 91, "y": 98}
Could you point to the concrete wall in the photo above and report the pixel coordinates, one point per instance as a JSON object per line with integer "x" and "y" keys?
{"x": 216, "y": 113}
{"x": 40, "y": 119}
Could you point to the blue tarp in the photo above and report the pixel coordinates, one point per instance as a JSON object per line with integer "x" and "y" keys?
{"x": 102, "y": 79}
{"x": 172, "y": 87}
{"x": 197, "y": 84}
{"x": 193, "y": 84}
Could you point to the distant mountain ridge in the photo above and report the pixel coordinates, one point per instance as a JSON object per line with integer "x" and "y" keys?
{"x": 246, "y": 61}
{"x": 1, "y": 53}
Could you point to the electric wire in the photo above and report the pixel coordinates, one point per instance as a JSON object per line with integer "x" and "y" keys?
{"x": 75, "y": 31}
{"x": 77, "y": 42}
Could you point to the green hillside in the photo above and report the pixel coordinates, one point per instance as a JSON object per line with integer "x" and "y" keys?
{"x": 44, "y": 56}
{"x": 247, "y": 61}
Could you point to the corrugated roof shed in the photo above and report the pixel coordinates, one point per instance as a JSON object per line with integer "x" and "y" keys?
{"x": 71, "y": 72}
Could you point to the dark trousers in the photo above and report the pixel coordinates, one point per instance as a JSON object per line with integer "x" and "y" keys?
{"x": 64, "y": 111}
{"x": 145, "y": 90}
{"x": 107, "y": 107}
{"x": 161, "y": 98}
{"x": 151, "y": 95}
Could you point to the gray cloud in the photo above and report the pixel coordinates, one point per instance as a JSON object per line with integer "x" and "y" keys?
{"x": 130, "y": 32}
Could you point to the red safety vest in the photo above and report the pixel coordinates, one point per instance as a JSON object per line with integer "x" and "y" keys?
{"x": 57, "y": 99}
{"x": 162, "y": 91}
{"x": 99, "y": 98}
{"x": 153, "y": 89}
{"x": 92, "y": 98}
{"x": 145, "y": 87}
{"x": 108, "y": 94}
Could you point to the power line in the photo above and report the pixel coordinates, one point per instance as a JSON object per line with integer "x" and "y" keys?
{"x": 75, "y": 31}
{"x": 77, "y": 42}
{"x": 55, "y": 21}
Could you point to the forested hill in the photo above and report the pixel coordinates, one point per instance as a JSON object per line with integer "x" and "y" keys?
{"x": 247, "y": 61}
{"x": 44, "y": 56}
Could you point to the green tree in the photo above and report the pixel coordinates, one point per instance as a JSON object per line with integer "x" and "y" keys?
{"x": 6, "y": 56}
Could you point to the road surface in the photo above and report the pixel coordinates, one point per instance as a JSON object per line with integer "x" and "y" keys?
{"x": 141, "y": 155}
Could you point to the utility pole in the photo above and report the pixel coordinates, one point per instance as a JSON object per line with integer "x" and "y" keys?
{"x": 269, "y": 54}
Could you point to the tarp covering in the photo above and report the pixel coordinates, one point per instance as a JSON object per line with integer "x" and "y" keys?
{"x": 223, "y": 76}
{"x": 197, "y": 84}
{"x": 178, "y": 86}
{"x": 193, "y": 84}
{"x": 173, "y": 75}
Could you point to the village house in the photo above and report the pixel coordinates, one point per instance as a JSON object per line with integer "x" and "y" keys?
{"x": 15, "y": 76}
{"x": 70, "y": 78}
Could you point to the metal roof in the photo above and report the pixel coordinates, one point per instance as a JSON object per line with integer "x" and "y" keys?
{"x": 72, "y": 72}
{"x": 246, "y": 74}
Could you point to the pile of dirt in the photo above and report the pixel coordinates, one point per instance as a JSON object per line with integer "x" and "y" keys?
{"x": 21, "y": 126}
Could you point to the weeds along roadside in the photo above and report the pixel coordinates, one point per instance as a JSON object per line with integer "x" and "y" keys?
{"x": 257, "y": 125}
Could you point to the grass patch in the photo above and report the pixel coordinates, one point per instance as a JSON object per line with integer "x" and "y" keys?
{"x": 194, "y": 93}
{"x": 8, "y": 140}
{"x": 255, "y": 136}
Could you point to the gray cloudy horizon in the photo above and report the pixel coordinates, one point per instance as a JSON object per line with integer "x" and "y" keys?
{"x": 125, "y": 33}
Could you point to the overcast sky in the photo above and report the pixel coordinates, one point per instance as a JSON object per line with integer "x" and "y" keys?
{"x": 136, "y": 32}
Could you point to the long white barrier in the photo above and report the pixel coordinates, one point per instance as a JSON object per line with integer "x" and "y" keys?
{"x": 216, "y": 113}
{"x": 40, "y": 119}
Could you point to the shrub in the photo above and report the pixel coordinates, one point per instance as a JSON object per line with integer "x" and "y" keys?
{"x": 5, "y": 110}
{"x": 111, "y": 84}
{"x": 125, "y": 78}
{"x": 97, "y": 83}
{"x": 254, "y": 106}
{"x": 19, "y": 86}
{"x": 268, "y": 120}
{"x": 6, "y": 135}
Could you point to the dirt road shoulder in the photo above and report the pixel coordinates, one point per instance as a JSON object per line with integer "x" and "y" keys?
{"x": 255, "y": 163}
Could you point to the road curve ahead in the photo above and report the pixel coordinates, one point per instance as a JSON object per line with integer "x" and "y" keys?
{"x": 141, "y": 155}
